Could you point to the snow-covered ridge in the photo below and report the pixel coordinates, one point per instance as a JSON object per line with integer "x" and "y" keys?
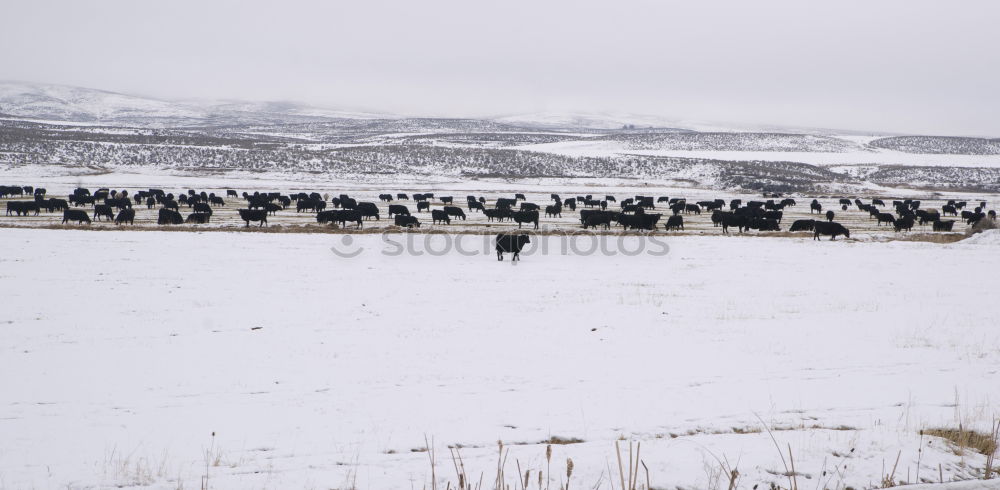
{"x": 50, "y": 102}
{"x": 65, "y": 103}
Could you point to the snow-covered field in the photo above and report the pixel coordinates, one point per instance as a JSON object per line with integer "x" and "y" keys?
{"x": 859, "y": 157}
{"x": 121, "y": 353}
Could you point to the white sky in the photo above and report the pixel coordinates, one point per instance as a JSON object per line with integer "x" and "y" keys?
{"x": 905, "y": 65}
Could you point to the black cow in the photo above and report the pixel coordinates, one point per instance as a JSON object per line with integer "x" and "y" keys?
{"x": 402, "y": 197}
{"x": 815, "y": 206}
{"x": 520, "y": 196}
{"x": 553, "y": 211}
{"x": 407, "y": 221}
{"x": 447, "y": 199}
{"x": 103, "y": 210}
{"x": 717, "y": 217}
{"x": 597, "y": 218}
{"x": 775, "y": 215}
{"x": 203, "y": 207}
{"x": 498, "y": 214}
{"x": 674, "y": 223}
{"x": 22, "y": 208}
{"x": 455, "y": 212}
{"x": 323, "y": 217}
{"x": 368, "y": 210}
{"x": 570, "y": 203}
{"x": 639, "y": 221}
{"x": 80, "y": 200}
{"x": 885, "y": 218}
{"x": 125, "y": 216}
{"x": 829, "y": 215}
{"x": 878, "y": 202}
{"x": 526, "y": 217}
{"x": 803, "y": 225}
{"x": 829, "y": 228}
{"x": 169, "y": 217}
{"x": 119, "y": 203}
{"x": 216, "y": 201}
{"x": 398, "y": 209}
{"x": 54, "y": 204}
{"x": 739, "y": 221}
{"x": 529, "y": 206}
{"x": 928, "y": 216}
{"x": 765, "y": 224}
{"x": 272, "y": 208}
{"x": 511, "y": 243}
{"x": 231, "y": 193}
{"x": 504, "y": 202}
{"x": 949, "y": 209}
{"x": 352, "y": 215}
{"x": 249, "y": 215}
{"x": 198, "y": 218}
{"x": 423, "y": 205}
{"x": 385, "y": 197}
{"x": 309, "y": 204}
{"x": 477, "y": 206}
{"x": 692, "y": 208}
{"x": 439, "y": 215}
{"x": 944, "y": 225}
{"x": 78, "y": 215}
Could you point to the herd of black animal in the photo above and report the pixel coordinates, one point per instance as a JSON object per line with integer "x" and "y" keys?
{"x": 633, "y": 213}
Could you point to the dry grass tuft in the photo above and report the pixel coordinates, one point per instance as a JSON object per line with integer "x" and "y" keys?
{"x": 964, "y": 439}
{"x": 561, "y": 440}
{"x": 933, "y": 237}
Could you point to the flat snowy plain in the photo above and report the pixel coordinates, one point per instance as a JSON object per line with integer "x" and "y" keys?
{"x": 857, "y": 157}
{"x": 122, "y": 352}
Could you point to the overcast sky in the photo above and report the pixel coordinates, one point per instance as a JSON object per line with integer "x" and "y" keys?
{"x": 904, "y": 66}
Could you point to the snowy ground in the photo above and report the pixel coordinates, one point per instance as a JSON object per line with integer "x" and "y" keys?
{"x": 121, "y": 353}
{"x": 861, "y": 157}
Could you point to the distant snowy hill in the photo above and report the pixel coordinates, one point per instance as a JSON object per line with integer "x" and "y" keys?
{"x": 83, "y": 105}
{"x": 600, "y": 121}
{"x": 46, "y": 124}
{"x": 65, "y": 103}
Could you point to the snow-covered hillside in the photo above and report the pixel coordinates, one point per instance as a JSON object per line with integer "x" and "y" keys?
{"x": 76, "y": 104}
{"x": 66, "y": 103}
{"x": 46, "y": 124}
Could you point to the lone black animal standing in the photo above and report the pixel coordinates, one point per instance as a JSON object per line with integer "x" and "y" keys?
{"x": 829, "y": 228}
{"x": 249, "y": 215}
{"x": 511, "y": 243}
